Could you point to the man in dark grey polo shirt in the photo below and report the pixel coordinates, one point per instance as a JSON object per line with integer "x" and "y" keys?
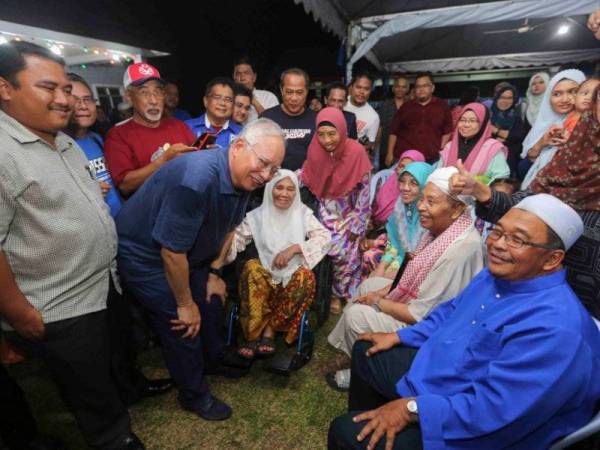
{"x": 58, "y": 243}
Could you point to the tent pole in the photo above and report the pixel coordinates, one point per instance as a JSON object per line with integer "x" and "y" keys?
{"x": 349, "y": 44}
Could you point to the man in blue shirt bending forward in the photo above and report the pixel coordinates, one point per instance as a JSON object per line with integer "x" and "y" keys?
{"x": 511, "y": 362}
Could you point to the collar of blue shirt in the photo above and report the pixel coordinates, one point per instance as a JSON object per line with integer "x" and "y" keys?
{"x": 532, "y": 285}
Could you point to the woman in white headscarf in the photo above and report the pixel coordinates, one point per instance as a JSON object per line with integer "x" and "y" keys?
{"x": 277, "y": 288}
{"x": 547, "y": 134}
{"x": 538, "y": 84}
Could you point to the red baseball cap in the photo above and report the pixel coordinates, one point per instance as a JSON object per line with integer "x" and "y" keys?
{"x": 138, "y": 73}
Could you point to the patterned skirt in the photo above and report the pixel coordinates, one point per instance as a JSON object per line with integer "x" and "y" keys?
{"x": 264, "y": 303}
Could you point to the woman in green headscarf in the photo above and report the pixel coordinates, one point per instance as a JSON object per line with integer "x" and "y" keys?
{"x": 403, "y": 227}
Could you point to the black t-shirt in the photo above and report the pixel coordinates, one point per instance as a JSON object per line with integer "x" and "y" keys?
{"x": 298, "y": 131}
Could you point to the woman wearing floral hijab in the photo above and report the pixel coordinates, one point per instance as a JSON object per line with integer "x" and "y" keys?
{"x": 337, "y": 171}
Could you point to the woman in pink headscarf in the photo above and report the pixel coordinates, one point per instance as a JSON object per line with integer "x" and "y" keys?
{"x": 337, "y": 171}
{"x": 472, "y": 143}
{"x": 388, "y": 194}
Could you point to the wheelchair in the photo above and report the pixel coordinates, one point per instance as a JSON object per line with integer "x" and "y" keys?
{"x": 301, "y": 353}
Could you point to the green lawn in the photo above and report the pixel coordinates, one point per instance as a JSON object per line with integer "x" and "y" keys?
{"x": 269, "y": 411}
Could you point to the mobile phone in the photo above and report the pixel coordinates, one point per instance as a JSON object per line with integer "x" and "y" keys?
{"x": 204, "y": 140}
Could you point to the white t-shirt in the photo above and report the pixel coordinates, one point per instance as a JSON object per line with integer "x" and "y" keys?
{"x": 265, "y": 98}
{"x": 367, "y": 120}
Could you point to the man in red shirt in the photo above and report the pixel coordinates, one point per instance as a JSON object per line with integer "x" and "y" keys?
{"x": 423, "y": 124}
{"x": 136, "y": 148}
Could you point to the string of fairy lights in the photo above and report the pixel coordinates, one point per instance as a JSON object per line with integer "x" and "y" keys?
{"x": 59, "y": 48}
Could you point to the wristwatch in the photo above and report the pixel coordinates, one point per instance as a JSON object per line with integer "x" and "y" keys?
{"x": 217, "y": 272}
{"x": 411, "y": 405}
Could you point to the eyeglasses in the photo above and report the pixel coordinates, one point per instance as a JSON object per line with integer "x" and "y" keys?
{"x": 468, "y": 121}
{"x": 220, "y": 98}
{"x": 147, "y": 93}
{"x": 87, "y": 100}
{"x": 516, "y": 242}
{"x": 264, "y": 163}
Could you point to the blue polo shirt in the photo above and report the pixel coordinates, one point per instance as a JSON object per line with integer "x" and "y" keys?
{"x": 187, "y": 206}
{"x": 225, "y": 135}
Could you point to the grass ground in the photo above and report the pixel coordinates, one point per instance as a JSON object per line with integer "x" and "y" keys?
{"x": 269, "y": 411}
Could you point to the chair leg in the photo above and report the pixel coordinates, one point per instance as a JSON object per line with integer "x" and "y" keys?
{"x": 232, "y": 325}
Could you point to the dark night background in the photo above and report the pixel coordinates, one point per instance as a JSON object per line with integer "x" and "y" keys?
{"x": 203, "y": 37}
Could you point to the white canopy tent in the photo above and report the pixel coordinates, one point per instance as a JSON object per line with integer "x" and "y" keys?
{"x": 416, "y": 35}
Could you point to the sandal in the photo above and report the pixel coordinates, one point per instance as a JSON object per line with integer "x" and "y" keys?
{"x": 250, "y": 347}
{"x": 265, "y": 342}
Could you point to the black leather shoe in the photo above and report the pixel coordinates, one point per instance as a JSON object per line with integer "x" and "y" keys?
{"x": 132, "y": 442}
{"x": 158, "y": 387}
{"x": 211, "y": 408}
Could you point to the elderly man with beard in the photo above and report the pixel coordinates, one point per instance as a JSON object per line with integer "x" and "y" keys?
{"x": 136, "y": 148}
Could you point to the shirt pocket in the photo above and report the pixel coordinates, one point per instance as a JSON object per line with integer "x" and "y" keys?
{"x": 483, "y": 348}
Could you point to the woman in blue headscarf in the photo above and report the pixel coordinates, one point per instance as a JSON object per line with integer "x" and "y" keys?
{"x": 403, "y": 226}
{"x": 507, "y": 126}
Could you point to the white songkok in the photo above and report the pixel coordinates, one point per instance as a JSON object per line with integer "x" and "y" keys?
{"x": 441, "y": 178}
{"x": 563, "y": 219}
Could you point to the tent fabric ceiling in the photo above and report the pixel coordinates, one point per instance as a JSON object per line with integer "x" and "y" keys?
{"x": 398, "y": 50}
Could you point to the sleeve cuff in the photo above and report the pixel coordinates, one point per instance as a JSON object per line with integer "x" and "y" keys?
{"x": 406, "y": 336}
{"x": 433, "y": 411}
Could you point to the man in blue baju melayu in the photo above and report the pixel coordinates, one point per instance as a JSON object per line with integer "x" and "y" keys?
{"x": 511, "y": 362}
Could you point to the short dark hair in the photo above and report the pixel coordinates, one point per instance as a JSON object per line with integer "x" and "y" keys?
{"x": 336, "y": 85}
{"x": 242, "y": 91}
{"x": 245, "y": 60}
{"x": 12, "y": 58}
{"x": 294, "y": 71}
{"x": 360, "y": 75}
{"x": 554, "y": 241}
{"x": 75, "y": 78}
{"x": 423, "y": 75}
{"x": 225, "y": 81}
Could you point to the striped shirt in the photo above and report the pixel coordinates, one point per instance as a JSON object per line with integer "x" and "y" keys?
{"x": 55, "y": 229}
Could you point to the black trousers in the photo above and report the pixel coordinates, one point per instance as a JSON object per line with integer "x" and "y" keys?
{"x": 131, "y": 382}
{"x": 17, "y": 425}
{"x": 372, "y": 384}
{"x": 76, "y": 352}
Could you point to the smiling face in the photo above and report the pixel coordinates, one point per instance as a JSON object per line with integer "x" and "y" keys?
{"x": 284, "y": 193}
{"x": 219, "y": 104}
{"x": 84, "y": 112}
{"x": 562, "y": 99}
{"x": 468, "y": 124}
{"x": 511, "y": 264}
{"x": 252, "y": 166}
{"x": 329, "y": 138}
{"x": 584, "y": 97}
{"x": 241, "y": 108}
{"x": 437, "y": 210}
{"x": 408, "y": 187}
{"x": 148, "y": 102}
{"x": 42, "y": 102}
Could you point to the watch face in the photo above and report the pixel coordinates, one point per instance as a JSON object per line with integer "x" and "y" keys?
{"x": 412, "y": 406}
